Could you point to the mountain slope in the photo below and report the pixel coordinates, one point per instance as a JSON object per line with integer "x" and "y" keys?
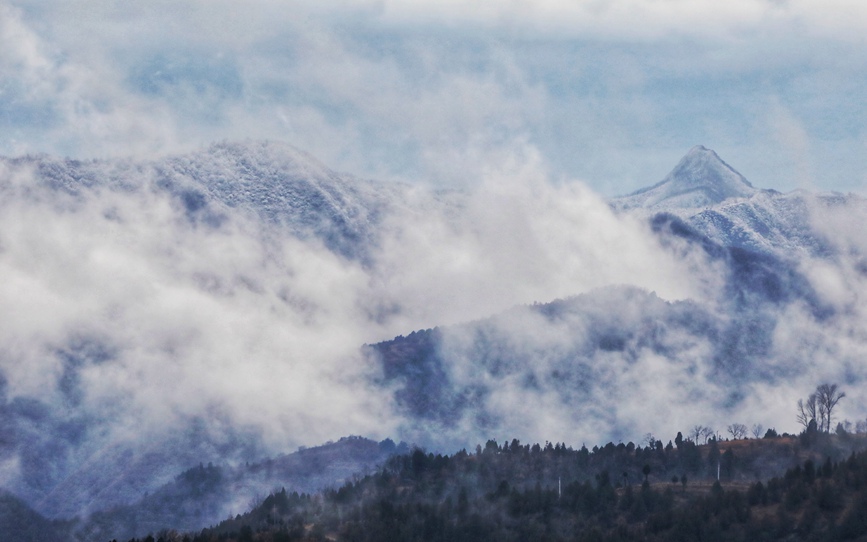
{"x": 582, "y": 361}
{"x": 21, "y": 523}
{"x": 759, "y": 489}
{"x": 285, "y": 186}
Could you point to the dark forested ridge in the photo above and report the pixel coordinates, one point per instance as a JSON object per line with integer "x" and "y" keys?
{"x": 807, "y": 487}
{"x": 27, "y": 524}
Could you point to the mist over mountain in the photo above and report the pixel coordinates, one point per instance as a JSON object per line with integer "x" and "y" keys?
{"x": 782, "y": 278}
{"x": 212, "y": 307}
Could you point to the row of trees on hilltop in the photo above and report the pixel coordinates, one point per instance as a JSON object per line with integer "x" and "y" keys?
{"x": 815, "y": 414}
{"x": 817, "y": 409}
{"x": 737, "y": 431}
{"x": 497, "y": 495}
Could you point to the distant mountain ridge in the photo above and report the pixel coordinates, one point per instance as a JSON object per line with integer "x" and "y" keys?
{"x": 285, "y": 186}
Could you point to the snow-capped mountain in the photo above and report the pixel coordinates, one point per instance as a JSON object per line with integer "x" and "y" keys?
{"x": 701, "y": 179}
{"x": 719, "y": 202}
{"x": 248, "y": 257}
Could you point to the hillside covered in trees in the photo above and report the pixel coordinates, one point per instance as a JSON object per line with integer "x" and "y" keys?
{"x": 807, "y": 487}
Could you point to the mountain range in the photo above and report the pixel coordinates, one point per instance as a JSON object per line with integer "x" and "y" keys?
{"x": 212, "y": 307}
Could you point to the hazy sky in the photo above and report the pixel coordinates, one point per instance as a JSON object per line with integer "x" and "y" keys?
{"x": 610, "y": 92}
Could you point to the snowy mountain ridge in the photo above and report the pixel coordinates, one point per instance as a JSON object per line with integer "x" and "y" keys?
{"x": 275, "y": 182}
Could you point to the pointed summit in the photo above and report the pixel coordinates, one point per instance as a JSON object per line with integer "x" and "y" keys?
{"x": 700, "y": 179}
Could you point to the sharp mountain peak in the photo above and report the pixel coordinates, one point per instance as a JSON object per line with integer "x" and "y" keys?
{"x": 700, "y": 179}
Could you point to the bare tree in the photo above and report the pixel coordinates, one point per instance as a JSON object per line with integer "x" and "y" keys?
{"x": 808, "y": 411}
{"x": 819, "y": 406}
{"x": 737, "y": 431}
{"x": 697, "y": 432}
{"x": 757, "y": 430}
{"x": 827, "y": 396}
{"x": 707, "y": 433}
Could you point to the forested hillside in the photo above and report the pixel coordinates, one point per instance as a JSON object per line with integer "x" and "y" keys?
{"x": 807, "y": 487}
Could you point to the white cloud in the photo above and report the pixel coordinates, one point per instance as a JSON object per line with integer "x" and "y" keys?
{"x": 195, "y": 317}
{"x": 631, "y": 19}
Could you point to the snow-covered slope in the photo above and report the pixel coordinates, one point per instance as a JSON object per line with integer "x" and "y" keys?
{"x": 160, "y": 290}
{"x": 285, "y": 186}
{"x": 771, "y": 222}
{"x": 274, "y": 182}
